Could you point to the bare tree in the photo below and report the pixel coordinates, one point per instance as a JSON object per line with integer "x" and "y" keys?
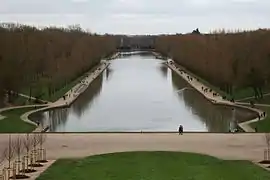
{"x": 18, "y": 147}
{"x": 42, "y": 151}
{"x": 35, "y": 142}
{"x": 2, "y": 158}
{"x": 41, "y": 55}
{"x": 27, "y": 145}
{"x": 9, "y": 155}
{"x": 9, "y": 151}
{"x": 267, "y": 141}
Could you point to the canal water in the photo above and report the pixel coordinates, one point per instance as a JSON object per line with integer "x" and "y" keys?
{"x": 140, "y": 93}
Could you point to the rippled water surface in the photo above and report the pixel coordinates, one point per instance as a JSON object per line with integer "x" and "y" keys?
{"x": 139, "y": 93}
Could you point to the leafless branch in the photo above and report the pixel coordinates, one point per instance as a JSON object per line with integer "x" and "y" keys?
{"x": 2, "y": 158}
{"x": 41, "y": 139}
{"x": 9, "y": 151}
{"x": 267, "y": 140}
{"x": 27, "y": 143}
{"x": 35, "y": 140}
{"x": 18, "y": 147}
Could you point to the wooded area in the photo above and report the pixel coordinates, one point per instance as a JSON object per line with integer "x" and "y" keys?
{"x": 231, "y": 61}
{"x": 42, "y": 61}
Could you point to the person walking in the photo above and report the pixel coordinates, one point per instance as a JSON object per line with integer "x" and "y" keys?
{"x": 180, "y": 130}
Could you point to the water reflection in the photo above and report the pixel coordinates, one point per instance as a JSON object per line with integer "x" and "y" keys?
{"x": 88, "y": 98}
{"x": 164, "y": 71}
{"x": 108, "y": 73}
{"x": 217, "y": 118}
{"x": 140, "y": 93}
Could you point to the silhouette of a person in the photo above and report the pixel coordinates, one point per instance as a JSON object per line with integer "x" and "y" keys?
{"x": 180, "y": 130}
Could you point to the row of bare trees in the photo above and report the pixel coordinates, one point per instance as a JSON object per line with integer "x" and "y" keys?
{"x": 229, "y": 60}
{"x": 39, "y": 62}
{"x": 22, "y": 155}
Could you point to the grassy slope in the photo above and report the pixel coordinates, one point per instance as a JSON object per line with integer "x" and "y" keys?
{"x": 153, "y": 166}
{"x": 238, "y": 93}
{"x": 58, "y": 94}
{"x": 13, "y": 123}
{"x": 264, "y": 125}
{"x": 265, "y": 100}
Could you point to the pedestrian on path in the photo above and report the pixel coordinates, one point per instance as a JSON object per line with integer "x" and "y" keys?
{"x": 180, "y": 130}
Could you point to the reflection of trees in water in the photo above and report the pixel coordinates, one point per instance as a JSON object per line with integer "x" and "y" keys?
{"x": 56, "y": 118}
{"x": 178, "y": 82}
{"x": 216, "y": 117}
{"x": 164, "y": 70}
{"x": 108, "y": 73}
{"x": 52, "y": 118}
{"x": 38, "y": 118}
{"x": 87, "y": 98}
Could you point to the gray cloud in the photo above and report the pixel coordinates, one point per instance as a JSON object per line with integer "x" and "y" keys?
{"x": 140, "y": 16}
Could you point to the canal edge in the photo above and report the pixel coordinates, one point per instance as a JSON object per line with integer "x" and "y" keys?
{"x": 244, "y": 125}
{"x": 60, "y": 103}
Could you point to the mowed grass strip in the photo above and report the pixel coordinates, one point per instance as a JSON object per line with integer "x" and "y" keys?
{"x": 153, "y": 166}
{"x": 12, "y": 122}
{"x": 263, "y": 126}
{"x": 42, "y": 87}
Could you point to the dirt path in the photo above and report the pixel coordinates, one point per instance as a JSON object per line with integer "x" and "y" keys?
{"x": 262, "y": 105}
{"x": 251, "y": 97}
{"x": 33, "y": 98}
{"x": 216, "y": 99}
{"x": 18, "y": 107}
{"x": 247, "y": 146}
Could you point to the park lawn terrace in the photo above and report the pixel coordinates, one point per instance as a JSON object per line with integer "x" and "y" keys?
{"x": 12, "y": 123}
{"x": 263, "y": 125}
{"x": 153, "y": 166}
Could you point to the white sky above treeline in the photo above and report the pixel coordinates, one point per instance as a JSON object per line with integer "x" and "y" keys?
{"x": 140, "y": 16}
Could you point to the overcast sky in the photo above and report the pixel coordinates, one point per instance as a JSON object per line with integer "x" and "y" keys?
{"x": 140, "y": 16}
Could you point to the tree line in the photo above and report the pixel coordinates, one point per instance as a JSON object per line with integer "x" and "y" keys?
{"x": 231, "y": 61}
{"x": 42, "y": 61}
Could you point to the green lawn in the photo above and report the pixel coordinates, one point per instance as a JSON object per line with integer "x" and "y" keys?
{"x": 263, "y": 125}
{"x": 19, "y": 101}
{"x": 42, "y": 88}
{"x": 206, "y": 83}
{"x": 13, "y": 123}
{"x": 153, "y": 166}
{"x": 265, "y": 100}
{"x": 239, "y": 93}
